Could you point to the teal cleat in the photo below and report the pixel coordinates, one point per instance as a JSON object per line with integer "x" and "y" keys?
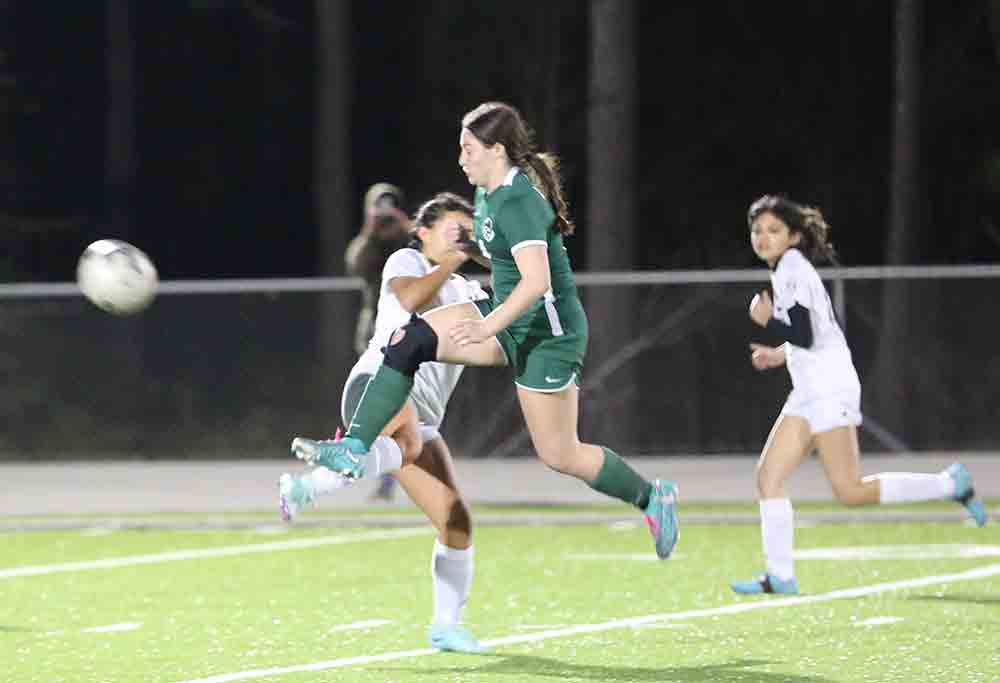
{"x": 766, "y": 583}
{"x": 661, "y": 516}
{"x": 294, "y": 493}
{"x": 455, "y": 638}
{"x": 965, "y": 494}
{"x": 344, "y": 456}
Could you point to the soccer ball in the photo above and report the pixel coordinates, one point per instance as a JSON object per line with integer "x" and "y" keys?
{"x": 117, "y": 277}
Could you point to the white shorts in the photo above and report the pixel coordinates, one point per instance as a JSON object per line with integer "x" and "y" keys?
{"x": 826, "y": 412}
{"x": 354, "y": 388}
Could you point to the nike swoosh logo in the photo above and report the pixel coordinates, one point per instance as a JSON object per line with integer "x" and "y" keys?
{"x": 552, "y": 380}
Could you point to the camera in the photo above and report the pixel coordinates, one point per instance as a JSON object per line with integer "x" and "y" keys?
{"x": 384, "y": 216}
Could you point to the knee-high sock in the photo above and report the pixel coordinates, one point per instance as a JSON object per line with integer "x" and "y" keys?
{"x": 325, "y": 481}
{"x": 384, "y": 457}
{"x": 777, "y": 530}
{"x": 452, "y": 570}
{"x": 618, "y": 480}
{"x": 904, "y": 487}
{"x": 385, "y": 394}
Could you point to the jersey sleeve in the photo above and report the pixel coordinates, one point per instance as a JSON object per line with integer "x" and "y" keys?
{"x": 403, "y": 263}
{"x": 525, "y": 220}
{"x": 793, "y": 284}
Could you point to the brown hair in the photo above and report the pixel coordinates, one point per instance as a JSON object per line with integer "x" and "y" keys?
{"x": 431, "y": 211}
{"x": 808, "y": 221}
{"x": 497, "y": 122}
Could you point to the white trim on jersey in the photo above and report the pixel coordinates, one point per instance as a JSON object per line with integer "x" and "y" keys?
{"x": 572, "y": 378}
{"x": 508, "y": 179}
{"x": 552, "y": 314}
{"x": 527, "y": 243}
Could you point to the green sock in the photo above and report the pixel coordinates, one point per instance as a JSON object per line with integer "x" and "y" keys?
{"x": 385, "y": 394}
{"x": 618, "y": 480}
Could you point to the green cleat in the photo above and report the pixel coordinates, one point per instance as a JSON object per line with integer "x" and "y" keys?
{"x": 344, "y": 456}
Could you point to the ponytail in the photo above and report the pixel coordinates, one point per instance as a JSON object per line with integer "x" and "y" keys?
{"x": 543, "y": 169}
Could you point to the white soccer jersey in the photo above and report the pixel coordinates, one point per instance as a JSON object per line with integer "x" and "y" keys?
{"x": 434, "y": 382}
{"x": 826, "y": 368}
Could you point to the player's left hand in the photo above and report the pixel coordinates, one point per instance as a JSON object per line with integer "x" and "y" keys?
{"x": 469, "y": 331}
{"x": 761, "y": 308}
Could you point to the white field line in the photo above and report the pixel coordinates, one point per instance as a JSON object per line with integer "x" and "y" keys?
{"x": 371, "y": 623}
{"x": 113, "y": 628}
{"x": 202, "y": 553}
{"x": 879, "y": 621}
{"x": 110, "y": 628}
{"x": 862, "y": 591}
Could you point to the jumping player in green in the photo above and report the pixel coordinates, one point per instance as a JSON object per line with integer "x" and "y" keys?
{"x": 534, "y": 324}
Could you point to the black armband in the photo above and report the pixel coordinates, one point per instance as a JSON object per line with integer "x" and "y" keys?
{"x": 799, "y": 332}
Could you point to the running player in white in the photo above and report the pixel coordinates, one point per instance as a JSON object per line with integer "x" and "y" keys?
{"x": 415, "y": 280}
{"x": 823, "y": 410}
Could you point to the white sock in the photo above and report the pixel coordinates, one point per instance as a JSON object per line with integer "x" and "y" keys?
{"x": 905, "y": 487}
{"x": 452, "y": 570}
{"x": 777, "y": 530}
{"x": 325, "y": 481}
{"x": 384, "y": 457}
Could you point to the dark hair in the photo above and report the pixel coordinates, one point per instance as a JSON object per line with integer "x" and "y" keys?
{"x": 808, "y": 221}
{"x": 431, "y": 211}
{"x": 497, "y": 122}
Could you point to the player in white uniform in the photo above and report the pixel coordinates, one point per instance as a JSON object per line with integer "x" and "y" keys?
{"x": 416, "y": 280}
{"x": 823, "y": 409}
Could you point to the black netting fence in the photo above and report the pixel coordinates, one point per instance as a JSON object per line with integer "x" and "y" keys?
{"x": 237, "y": 375}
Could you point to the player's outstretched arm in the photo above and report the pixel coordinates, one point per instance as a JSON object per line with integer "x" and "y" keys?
{"x": 414, "y": 293}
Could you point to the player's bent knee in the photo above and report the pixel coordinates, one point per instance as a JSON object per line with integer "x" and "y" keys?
{"x": 557, "y": 459}
{"x": 850, "y": 493}
{"x": 410, "y": 345}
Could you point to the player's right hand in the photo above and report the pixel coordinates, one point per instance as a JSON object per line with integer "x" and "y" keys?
{"x": 766, "y": 357}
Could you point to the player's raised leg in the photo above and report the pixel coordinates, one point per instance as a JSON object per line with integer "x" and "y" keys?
{"x": 416, "y": 342}
{"x": 840, "y": 455}
{"x": 387, "y": 455}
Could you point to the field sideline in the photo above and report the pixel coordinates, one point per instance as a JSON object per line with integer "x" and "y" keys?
{"x": 569, "y": 591}
{"x": 582, "y": 603}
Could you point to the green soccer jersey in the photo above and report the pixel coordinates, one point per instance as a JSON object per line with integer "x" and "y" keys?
{"x": 517, "y": 215}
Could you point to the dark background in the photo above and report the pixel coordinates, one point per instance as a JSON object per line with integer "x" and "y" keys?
{"x": 734, "y": 99}
{"x": 235, "y": 138}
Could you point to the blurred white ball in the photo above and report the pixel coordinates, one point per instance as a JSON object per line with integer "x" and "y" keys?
{"x": 117, "y": 277}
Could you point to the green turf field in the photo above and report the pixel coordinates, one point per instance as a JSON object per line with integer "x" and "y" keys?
{"x": 567, "y": 603}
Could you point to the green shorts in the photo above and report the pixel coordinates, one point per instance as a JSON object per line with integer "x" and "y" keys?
{"x": 541, "y": 363}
